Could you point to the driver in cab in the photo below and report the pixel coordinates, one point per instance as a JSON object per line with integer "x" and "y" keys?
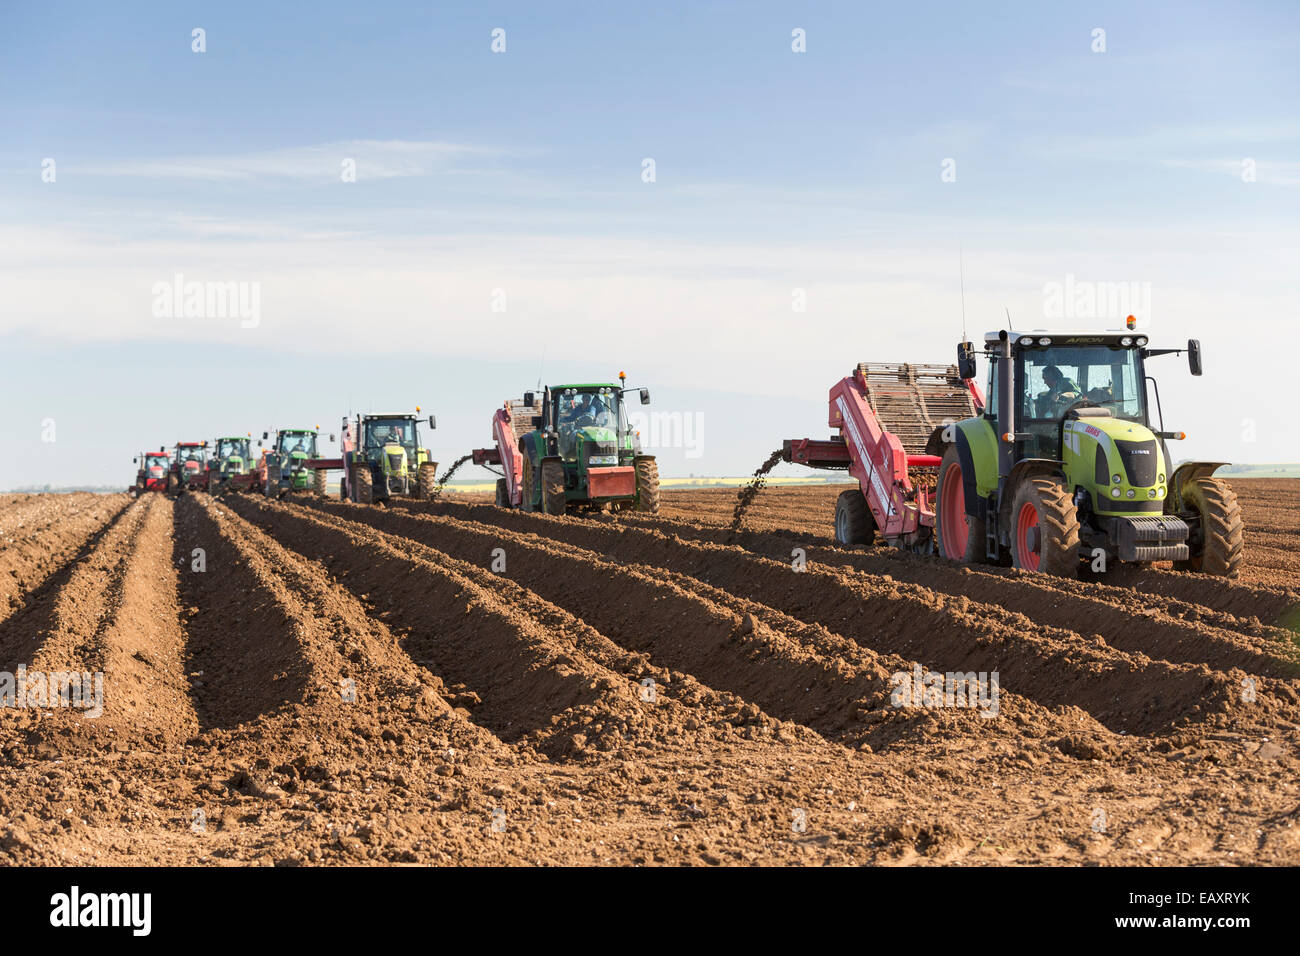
{"x": 1061, "y": 391}
{"x": 576, "y": 412}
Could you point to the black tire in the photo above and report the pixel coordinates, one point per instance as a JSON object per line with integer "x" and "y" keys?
{"x": 503, "y": 494}
{"x": 553, "y": 499}
{"x": 529, "y": 485}
{"x": 426, "y": 482}
{"x": 272, "y": 480}
{"x": 1054, "y": 514}
{"x": 854, "y": 523}
{"x": 647, "y": 485}
{"x": 363, "y": 492}
{"x": 975, "y": 549}
{"x": 320, "y": 483}
{"x": 1222, "y": 545}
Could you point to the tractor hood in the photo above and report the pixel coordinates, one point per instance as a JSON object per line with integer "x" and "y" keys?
{"x": 1125, "y": 461}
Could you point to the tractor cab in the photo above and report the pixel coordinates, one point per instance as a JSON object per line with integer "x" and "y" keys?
{"x": 590, "y": 419}
{"x": 1073, "y": 375}
{"x": 295, "y": 443}
{"x": 232, "y": 456}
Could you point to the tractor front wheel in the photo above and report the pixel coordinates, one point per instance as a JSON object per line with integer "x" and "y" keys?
{"x": 960, "y": 536}
{"x": 503, "y": 494}
{"x": 647, "y": 485}
{"x": 1044, "y": 527}
{"x": 319, "y": 483}
{"x": 363, "y": 492}
{"x": 1222, "y": 549}
{"x": 553, "y": 500}
{"x": 854, "y": 523}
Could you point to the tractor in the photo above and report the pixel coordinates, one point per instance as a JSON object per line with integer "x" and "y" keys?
{"x": 383, "y": 459}
{"x": 1064, "y": 467}
{"x": 231, "y": 466}
{"x": 152, "y": 472}
{"x": 582, "y": 453}
{"x": 290, "y": 464}
{"x": 189, "y": 467}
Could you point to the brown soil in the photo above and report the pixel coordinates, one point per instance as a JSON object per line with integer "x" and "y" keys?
{"x": 448, "y": 682}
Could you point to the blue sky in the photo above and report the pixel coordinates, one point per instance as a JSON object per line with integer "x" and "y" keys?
{"x": 486, "y": 177}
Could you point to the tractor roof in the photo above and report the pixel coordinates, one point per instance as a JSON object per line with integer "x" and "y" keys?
{"x": 233, "y": 438}
{"x": 156, "y": 454}
{"x": 393, "y": 415}
{"x": 558, "y": 388}
{"x": 1070, "y": 337}
{"x": 298, "y": 431}
{"x": 191, "y": 444}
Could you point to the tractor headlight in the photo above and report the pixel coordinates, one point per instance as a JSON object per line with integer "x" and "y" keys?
{"x": 1141, "y": 340}
{"x": 1114, "y": 492}
{"x": 603, "y": 460}
{"x": 1126, "y": 341}
{"x": 1026, "y": 341}
{"x": 1045, "y": 341}
{"x": 1130, "y": 492}
{"x": 1115, "y": 479}
{"x": 1151, "y": 492}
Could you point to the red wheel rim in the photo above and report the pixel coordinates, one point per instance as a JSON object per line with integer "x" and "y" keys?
{"x": 952, "y": 514}
{"x": 1025, "y": 522}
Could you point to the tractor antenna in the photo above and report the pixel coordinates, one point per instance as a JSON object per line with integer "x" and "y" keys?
{"x": 961, "y": 267}
{"x": 1009, "y": 328}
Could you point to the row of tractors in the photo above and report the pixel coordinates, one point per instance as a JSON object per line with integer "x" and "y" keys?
{"x": 381, "y": 457}
{"x": 564, "y": 449}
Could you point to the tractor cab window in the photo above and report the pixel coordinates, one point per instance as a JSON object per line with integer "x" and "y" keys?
{"x": 230, "y": 449}
{"x": 1055, "y": 379}
{"x": 304, "y": 443}
{"x": 576, "y": 410}
{"x": 391, "y": 431}
{"x": 193, "y": 454}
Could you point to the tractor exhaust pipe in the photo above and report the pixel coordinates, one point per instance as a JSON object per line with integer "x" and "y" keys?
{"x": 1006, "y": 405}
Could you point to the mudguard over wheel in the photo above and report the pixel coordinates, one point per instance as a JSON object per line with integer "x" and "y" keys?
{"x": 363, "y": 492}
{"x": 647, "y": 485}
{"x": 959, "y": 536}
{"x": 319, "y": 483}
{"x": 503, "y": 494}
{"x": 427, "y": 480}
{"x": 1044, "y": 527}
{"x": 553, "y": 499}
{"x": 529, "y": 484}
{"x": 854, "y": 523}
{"x": 1222, "y": 548}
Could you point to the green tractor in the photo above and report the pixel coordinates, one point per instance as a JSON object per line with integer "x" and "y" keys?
{"x": 1065, "y": 468}
{"x": 583, "y": 453}
{"x": 231, "y": 467}
{"x": 383, "y": 458}
{"x": 292, "y": 463}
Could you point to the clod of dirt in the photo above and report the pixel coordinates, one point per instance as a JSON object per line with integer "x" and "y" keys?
{"x": 750, "y": 491}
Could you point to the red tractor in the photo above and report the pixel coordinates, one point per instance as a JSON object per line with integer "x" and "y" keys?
{"x": 189, "y": 469}
{"x": 151, "y": 474}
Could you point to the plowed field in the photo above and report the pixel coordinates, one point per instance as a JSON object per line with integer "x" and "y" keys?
{"x": 307, "y": 681}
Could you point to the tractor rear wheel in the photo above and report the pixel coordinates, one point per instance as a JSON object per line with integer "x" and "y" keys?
{"x": 1221, "y": 528}
{"x": 553, "y": 500}
{"x": 1044, "y": 527}
{"x": 503, "y": 494}
{"x": 426, "y": 483}
{"x": 529, "y": 483}
{"x": 363, "y": 492}
{"x": 960, "y": 536}
{"x": 647, "y": 485}
{"x": 319, "y": 483}
{"x": 272, "y": 481}
{"x": 854, "y": 523}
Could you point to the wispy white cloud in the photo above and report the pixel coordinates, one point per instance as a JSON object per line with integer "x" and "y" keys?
{"x": 1264, "y": 171}
{"x": 321, "y": 163}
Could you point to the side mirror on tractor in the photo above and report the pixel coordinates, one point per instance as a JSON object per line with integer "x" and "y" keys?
{"x": 645, "y": 396}
{"x": 966, "y": 360}
{"x": 537, "y": 421}
{"x": 332, "y": 438}
{"x": 433, "y": 421}
{"x": 264, "y": 435}
{"x": 528, "y": 399}
{"x": 1194, "y": 356}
